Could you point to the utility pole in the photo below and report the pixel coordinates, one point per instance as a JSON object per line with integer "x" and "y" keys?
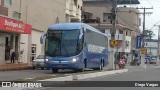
{"x": 144, "y": 18}
{"x": 113, "y": 31}
{"x": 157, "y": 61}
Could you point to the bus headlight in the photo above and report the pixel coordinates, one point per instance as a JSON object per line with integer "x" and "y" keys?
{"x": 74, "y": 60}
{"x": 47, "y": 60}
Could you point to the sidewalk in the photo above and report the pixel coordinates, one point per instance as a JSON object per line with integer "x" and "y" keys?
{"x": 17, "y": 66}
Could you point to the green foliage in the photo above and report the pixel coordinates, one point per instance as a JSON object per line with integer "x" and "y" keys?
{"x": 148, "y": 33}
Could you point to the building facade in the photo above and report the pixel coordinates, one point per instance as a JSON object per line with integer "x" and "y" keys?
{"x": 152, "y": 47}
{"x": 40, "y": 14}
{"x": 98, "y": 14}
{"x": 11, "y": 29}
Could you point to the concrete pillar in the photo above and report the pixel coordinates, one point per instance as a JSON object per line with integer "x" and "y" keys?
{"x": 29, "y": 49}
{"x": 13, "y": 42}
{"x": 2, "y": 48}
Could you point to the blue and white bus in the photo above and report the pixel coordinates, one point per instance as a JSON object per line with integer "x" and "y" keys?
{"x": 75, "y": 46}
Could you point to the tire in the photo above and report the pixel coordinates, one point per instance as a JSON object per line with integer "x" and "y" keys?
{"x": 47, "y": 68}
{"x": 100, "y": 67}
{"x": 82, "y": 69}
{"x": 54, "y": 70}
{"x": 33, "y": 67}
{"x": 42, "y": 68}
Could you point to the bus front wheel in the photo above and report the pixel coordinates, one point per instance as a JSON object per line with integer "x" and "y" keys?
{"x": 54, "y": 70}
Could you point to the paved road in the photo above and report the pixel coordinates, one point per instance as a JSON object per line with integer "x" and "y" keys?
{"x": 151, "y": 73}
{"x": 22, "y": 74}
{"x": 135, "y": 73}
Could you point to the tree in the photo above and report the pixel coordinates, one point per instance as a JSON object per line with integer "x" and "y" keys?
{"x": 148, "y": 33}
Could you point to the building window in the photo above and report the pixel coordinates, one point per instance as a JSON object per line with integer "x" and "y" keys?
{"x": 109, "y": 17}
{"x": 120, "y": 32}
{"x": 106, "y": 17}
{"x": 75, "y": 2}
{"x": 33, "y": 52}
{"x": 8, "y": 2}
{"x": 16, "y": 15}
{"x": 126, "y": 33}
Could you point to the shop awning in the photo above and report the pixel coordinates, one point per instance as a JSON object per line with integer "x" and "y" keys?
{"x": 11, "y": 25}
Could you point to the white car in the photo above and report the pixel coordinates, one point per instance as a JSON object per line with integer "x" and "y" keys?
{"x": 38, "y": 62}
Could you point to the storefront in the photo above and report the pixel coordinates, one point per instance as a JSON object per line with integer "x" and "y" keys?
{"x": 10, "y": 31}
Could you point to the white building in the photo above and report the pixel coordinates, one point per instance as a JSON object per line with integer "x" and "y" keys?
{"x": 152, "y": 47}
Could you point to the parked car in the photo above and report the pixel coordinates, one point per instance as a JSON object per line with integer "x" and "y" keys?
{"x": 153, "y": 60}
{"x": 135, "y": 62}
{"x": 38, "y": 62}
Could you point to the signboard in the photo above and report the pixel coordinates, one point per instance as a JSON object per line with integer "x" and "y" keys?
{"x": 143, "y": 50}
{"x": 11, "y": 25}
{"x": 138, "y": 42}
{"x": 113, "y": 43}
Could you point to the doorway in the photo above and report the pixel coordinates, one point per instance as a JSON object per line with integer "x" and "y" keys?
{"x": 7, "y": 48}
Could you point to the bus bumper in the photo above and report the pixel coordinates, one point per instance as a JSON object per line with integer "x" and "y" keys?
{"x": 63, "y": 65}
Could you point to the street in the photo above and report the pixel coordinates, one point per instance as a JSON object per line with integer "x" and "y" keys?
{"x": 135, "y": 73}
{"x": 24, "y": 74}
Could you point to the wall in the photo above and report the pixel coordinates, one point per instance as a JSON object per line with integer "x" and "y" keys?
{"x": 128, "y": 16}
{"x": 36, "y": 40}
{"x": 97, "y": 9}
{"x": 2, "y": 49}
{"x": 24, "y": 45}
{"x": 128, "y": 44}
{"x": 43, "y": 13}
{"x": 151, "y": 48}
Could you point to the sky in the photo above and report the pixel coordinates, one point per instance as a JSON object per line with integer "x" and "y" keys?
{"x": 152, "y": 19}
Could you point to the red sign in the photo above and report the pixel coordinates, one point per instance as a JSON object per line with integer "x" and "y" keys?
{"x": 11, "y": 25}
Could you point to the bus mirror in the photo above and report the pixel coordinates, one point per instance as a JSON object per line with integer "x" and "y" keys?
{"x": 42, "y": 38}
{"x": 80, "y": 36}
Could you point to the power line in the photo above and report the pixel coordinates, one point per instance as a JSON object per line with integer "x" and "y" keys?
{"x": 121, "y": 17}
{"x": 125, "y": 21}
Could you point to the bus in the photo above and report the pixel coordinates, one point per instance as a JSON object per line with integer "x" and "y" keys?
{"x": 75, "y": 46}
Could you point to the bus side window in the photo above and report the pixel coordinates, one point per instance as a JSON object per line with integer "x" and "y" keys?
{"x": 80, "y": 44}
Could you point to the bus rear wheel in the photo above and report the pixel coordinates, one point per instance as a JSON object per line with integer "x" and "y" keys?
{"x": 54, "y": 70}
{"x": 100, "y": 66}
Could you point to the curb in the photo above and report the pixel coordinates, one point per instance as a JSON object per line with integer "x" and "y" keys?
{"x": 86, "y": 76}
{"x": 66, "y": 78}
{"x": 97, "y": 74}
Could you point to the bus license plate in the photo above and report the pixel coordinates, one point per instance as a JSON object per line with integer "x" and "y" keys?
{"x": 60, "y": 65}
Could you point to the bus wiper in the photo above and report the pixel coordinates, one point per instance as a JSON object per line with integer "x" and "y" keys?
{"x": 64, "y": 46}
{"x": 65, "y": 49}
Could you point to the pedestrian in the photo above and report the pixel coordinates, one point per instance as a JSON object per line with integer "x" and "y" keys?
{"x": 13, "y": 54}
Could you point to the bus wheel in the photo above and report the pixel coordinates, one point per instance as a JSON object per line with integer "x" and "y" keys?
{"x": 33, "y": 67}
{"x": 54, "y": 70}
{"x": 42, "y": 68}
{"x": 83, "y": 68}
{"x": 100, "y": 66}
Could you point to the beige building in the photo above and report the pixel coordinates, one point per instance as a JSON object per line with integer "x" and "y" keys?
{"x": 40, "y": 14}
{"x": 98, "y": 14}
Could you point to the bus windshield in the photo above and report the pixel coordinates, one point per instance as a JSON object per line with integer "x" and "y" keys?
{"x": 62, "y": 43}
